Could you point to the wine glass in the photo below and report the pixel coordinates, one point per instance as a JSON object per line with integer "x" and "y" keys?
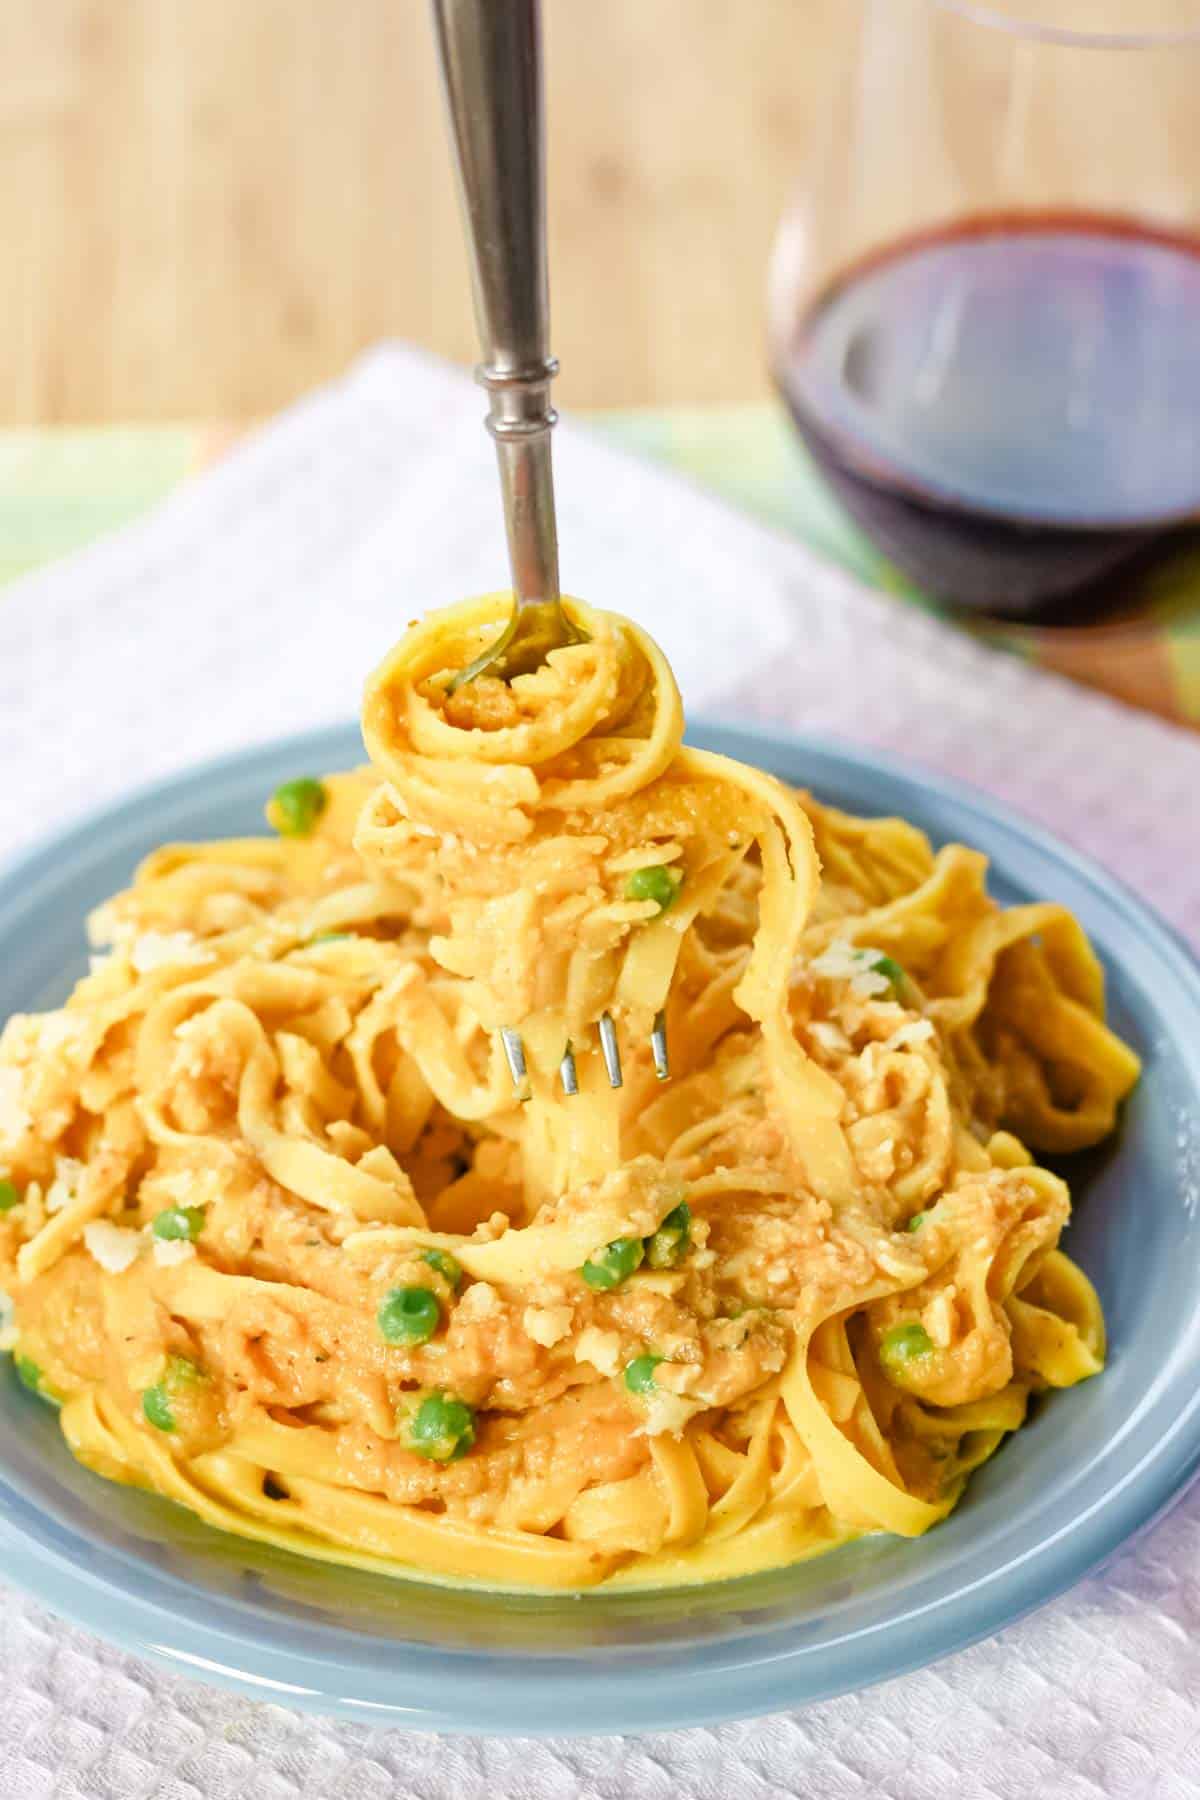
{"x": 985, "y": 303}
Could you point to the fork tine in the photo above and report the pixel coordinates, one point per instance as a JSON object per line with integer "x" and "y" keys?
{"x": 658, "y": 1046}
{"x": 610, "y": 1049}
{"x": 568, "y": 1073}
{"x": 514, "y": 1055}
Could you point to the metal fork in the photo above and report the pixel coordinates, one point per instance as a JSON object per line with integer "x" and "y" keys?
{"x": 491, "y": 55}
{"x": 491, "y": 62}
{"x": 610, "y": 1050}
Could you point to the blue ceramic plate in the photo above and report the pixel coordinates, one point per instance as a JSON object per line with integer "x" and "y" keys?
{"x": 1094, "y": 1465}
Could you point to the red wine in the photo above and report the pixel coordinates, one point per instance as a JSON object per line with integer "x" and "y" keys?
{"x": 1010, "y": 408}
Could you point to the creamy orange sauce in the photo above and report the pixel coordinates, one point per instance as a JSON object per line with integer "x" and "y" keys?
{"x": 289, "y": 1055}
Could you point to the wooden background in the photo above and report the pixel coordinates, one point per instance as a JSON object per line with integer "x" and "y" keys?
{"x": 209, "y": 205}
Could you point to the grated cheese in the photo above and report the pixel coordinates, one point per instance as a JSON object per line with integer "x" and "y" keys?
{"x": 169, "y": 1251}
{"x": 65, "y": 1186}
{"x": 189, "y": 1187}
{"x": 666, "y": 1413}
{"x": 114, "y": 1247}
{"x": 547, "y": 1325}
{"x": 479, "y": 1300}
{"x": 160, "y": 949}
{"x": 842, "y": 961}
{"x": 677, "y": 1378}
{"x": 837, "y": 962}
{"x": 601, "y": 1348}
{"x": 869, "y": 984}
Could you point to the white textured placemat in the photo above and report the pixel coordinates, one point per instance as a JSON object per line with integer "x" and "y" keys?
{"x": 252, "y": 604}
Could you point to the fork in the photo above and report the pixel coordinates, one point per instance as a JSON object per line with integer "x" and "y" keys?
{"x": 610, "y": 1050}
{"x": 491, "y": 64}
{"x": 491, "y": 55}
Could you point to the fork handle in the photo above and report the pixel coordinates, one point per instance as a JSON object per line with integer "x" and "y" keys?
{"x": 491, "y": 60}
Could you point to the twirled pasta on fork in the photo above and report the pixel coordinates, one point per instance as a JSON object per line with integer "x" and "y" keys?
{"x": 286, "y": 1244}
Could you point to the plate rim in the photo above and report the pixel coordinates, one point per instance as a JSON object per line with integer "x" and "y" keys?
{"x": 578, "y": 1695}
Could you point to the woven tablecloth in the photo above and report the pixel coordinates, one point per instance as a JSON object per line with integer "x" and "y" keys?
{"x": 59, "y": 489}
{"x": 251, "y": 603}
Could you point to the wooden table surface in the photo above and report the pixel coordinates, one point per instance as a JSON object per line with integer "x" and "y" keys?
{"x": 209, "y": 205}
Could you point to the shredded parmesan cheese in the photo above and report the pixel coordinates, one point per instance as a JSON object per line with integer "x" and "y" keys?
{"x": 65, "y": 1186}
{"x": 187, "y": 1187}
{"x": 676, "y": 1378}
{"x": 480, "y": 1299}
{"x": 600, "y": 1348}
{"x": 666, "y": 1413}
{"x": 114, "y": 1247}
{"x": 169, "y": 1251}
{"x": 547, "y": 1325}
{"x": 841, "y": 961}
{"x": 159, "y": 949}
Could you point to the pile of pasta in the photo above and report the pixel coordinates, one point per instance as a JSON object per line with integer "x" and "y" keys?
{"x": 283, "y": 1241}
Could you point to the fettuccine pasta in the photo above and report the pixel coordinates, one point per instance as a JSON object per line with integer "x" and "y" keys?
{"x": 284, "y": 1242}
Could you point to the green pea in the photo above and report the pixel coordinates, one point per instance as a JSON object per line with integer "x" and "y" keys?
{"x": 657, "y": 883}
{"x": 447, "y": 1266}
{"x": 298, "y": 805}
{"x": 179, "y": 1223}
{"x": 28, "y": 1373}
{"x": 408, "y": 1315}
{"x": 670, "y": 1243}
{"x": 31, "y": 1376}
{"x": 916, "y": 1222}
{"x": 639, "y": 1374}
{"x": 180, "y": 1374}
{"x": 442, "y": 1429}
{"x": 904, "y": 1344}
{"x": 156, "y": 1408}
{"x": 890, "y": 968}
{"x": 10, "y": 1196}
{"x": 609, "y": 1267}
